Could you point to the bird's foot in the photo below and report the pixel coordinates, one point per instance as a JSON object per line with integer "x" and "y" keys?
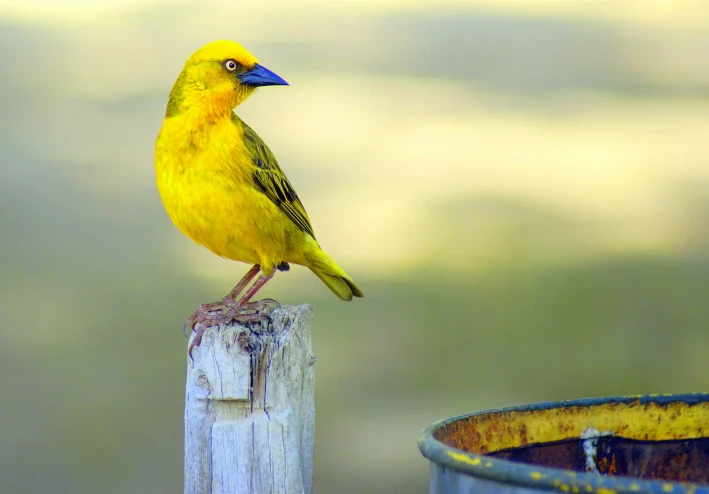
{"x": 224, "y": 312}
{"x": 257, "y": 311}
{"x": 206, "y": 315}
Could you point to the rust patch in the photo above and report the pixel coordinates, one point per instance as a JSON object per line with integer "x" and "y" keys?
{"x": 483, "y": 433}
{"x": 607, "y": 468}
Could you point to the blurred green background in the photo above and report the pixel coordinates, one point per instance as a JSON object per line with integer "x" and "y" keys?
{"x": 521, "y": 188}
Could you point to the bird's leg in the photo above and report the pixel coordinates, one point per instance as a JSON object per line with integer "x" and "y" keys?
{"x": 260, "y": 304}
{"x": 236, "y": 291}
{"x": 263, "y": 279}
{"x": 245, "y": 311}
{"x": 228, "y": 309}
{"x": 208, "y": 315}
{"x": 204, "y": 314}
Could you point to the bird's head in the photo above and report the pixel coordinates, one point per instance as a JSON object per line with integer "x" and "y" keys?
{"x": 217, "y": 78}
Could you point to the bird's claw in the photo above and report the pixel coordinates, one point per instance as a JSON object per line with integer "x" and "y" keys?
{"x": 257, "y": 311}
{"x": 205, "y": 315}
{"x": 223, "y": 312}
{"x": 198, "y": 333}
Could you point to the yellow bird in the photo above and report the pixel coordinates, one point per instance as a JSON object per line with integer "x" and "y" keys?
{"x": 223, "y": 188}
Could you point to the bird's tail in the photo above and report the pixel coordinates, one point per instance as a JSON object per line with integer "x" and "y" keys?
{"x": 333, "y": 276}
{"x": 342, "y": 286}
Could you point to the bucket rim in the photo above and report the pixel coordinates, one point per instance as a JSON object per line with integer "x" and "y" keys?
{"x": 548, "y": 478}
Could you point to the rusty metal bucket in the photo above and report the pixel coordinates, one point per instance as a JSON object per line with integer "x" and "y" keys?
{"x": 641, "y": 444}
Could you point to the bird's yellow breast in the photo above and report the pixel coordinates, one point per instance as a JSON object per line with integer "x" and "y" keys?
{"x": 204, "y": 179}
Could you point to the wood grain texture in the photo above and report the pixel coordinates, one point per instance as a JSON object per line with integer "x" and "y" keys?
{"x": 249, "y": 408}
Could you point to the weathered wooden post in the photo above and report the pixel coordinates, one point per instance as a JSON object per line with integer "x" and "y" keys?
{"x": 249, "y": 408}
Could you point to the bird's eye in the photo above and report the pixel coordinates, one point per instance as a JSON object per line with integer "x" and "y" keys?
{"x": 230, "y": 65}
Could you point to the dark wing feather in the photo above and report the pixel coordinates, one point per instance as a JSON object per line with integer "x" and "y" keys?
{"x": 270, "y": 179}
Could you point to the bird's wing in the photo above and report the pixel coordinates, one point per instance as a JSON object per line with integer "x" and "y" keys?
{"x": 270, "y": 179}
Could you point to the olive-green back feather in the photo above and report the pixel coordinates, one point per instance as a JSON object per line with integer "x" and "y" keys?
{"x": 270, "y": 179}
